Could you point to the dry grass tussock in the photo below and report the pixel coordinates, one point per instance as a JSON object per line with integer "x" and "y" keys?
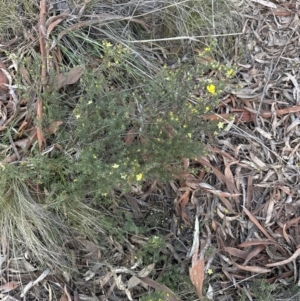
{"x": 27, "y": 227}
{"x": 153, "y": 30}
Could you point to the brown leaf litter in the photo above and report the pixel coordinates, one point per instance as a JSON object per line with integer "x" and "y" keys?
{"x": 256, "y": 162}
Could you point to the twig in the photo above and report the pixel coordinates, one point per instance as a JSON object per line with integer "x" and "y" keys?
{"x": 191, "y": 38}
{"x": 42, "y": 35}
{"x": 13, "y": 145}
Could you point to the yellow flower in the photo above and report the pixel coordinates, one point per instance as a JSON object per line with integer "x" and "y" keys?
{"x": 210, "y": 271}
{"x": 77, "y": 116}
{"x": 90, "y": 102}
{"x": 207, "y": 49}
{"x": 139, "y": 177}
{"x": 115, "y": 165}
{"x": 207, "y": 108}
{"x": 106, "y": 44}
{"x": 189, "y": 135}
{"x": 220, "y": 125}
{"x": 229, "y": 73}
{"x": 211, "y": 89}
{"x": 123, "y": 176}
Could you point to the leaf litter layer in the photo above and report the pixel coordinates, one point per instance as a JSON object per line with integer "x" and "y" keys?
{"x": 253, "y": 181}
{"x": 244, "y": 192}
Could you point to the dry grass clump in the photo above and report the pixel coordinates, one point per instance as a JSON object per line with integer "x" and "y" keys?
{"x": 17, "y": 18}
{"x": 26, "y": 223}
{"x": 157, "y": 32}
{"x": 160, "y": 31}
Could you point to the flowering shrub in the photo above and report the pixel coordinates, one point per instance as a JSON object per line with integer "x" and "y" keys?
{"x": 127, "y": 127}
{"x": 123, "y": 127}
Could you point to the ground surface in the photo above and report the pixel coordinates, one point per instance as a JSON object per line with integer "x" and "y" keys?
{"x": 244, "y": 195}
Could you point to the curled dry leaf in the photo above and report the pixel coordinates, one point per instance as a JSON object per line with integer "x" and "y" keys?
{"x": 285, "y": 235}
{"x": 254, "y": 253}
{"x": 240, "y": 115}
{"x": 264, "y": 133}
{"x": 293, "y": 257}
{"x": 280, "y": 276}
{"x": 259, "y": 226}
{"x": 133, "y": 282}
{"x": 7, "y": 287}
{"x": 181, "y": 203}
{"x": 130, "y": 136}
{"x": 53, "y": 22}
{"x": 258, "y": 162}
{"x": 229, "y": 175}
{"x": 68, "y": 78}
{"x": 256, "y": 243}
{"x": 221, "y": 194}
{"x": 266, "y": 3}
{"x": 104, "y": 279}
{"x": 230, "y": 185}
{"x": 76, "y": 296}
{"x": 236, "y": 252}
{"x": 3, "y": 77}
{"x": 22, "y": 143}
{"x": 227, "y": 218}
{"x": 282, "y": 13}
{"x": 53, "y": 127}
{"x": 269, "y": 211}
{"x": 210, "y": 293}
{"x": 253, "y": 269}
{"x": 93, "y": 250}
{"x": 121, "y": 286}
{"x": 33, "y": 283}
{"x": 197, "y": 275}
{"x": 292, "y": 222}
{"x": 214, "y": 225}
{"x": 198, "y": 264}
{"x": 244, "y": 116}
{"x": 147, "y": 270}
{"x": 66, "y": 295}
